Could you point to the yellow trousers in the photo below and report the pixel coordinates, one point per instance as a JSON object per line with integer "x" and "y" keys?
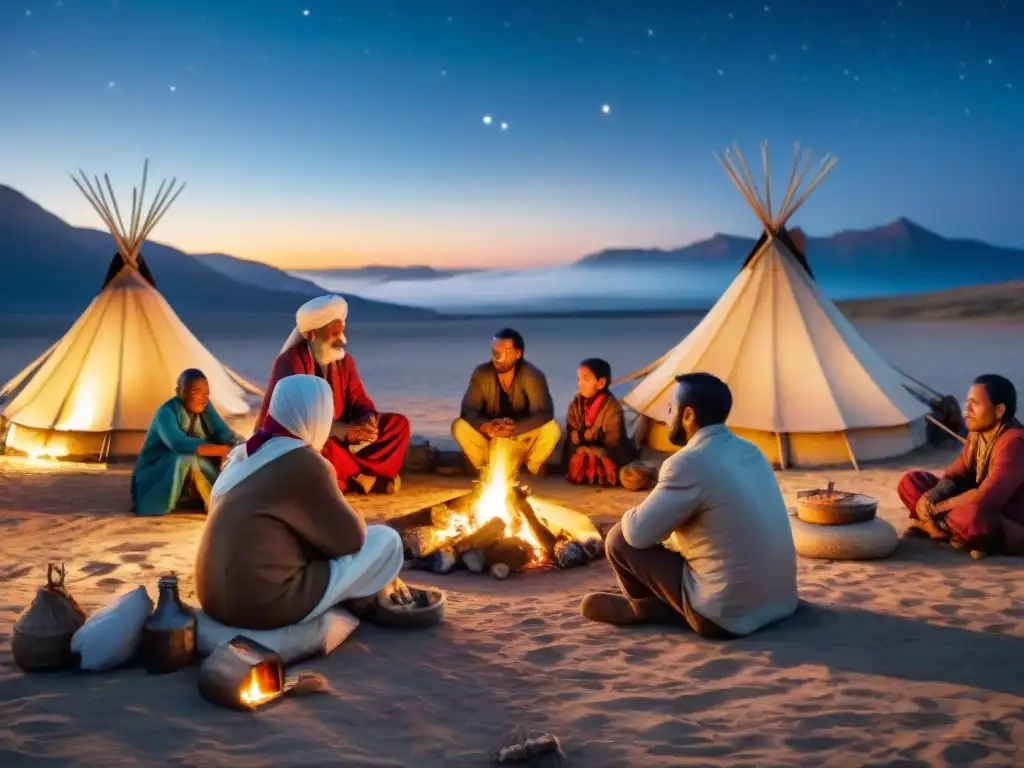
{"x": 533, "y": 448}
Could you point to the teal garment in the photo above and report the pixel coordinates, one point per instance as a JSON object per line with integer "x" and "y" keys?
{"x": 169, "y": 453}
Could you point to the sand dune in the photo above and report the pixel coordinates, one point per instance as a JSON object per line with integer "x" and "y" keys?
{"x": 911, "y": 661}
{"x": 1002, "y": 300}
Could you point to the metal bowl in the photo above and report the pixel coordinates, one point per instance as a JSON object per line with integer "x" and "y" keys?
{"x": 428, "y": 611}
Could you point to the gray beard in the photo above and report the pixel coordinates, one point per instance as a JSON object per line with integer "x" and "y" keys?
{"x": 325, "y": 355}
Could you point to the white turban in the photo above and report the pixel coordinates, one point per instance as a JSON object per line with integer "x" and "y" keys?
{"x": 303, "y": 405}
{"x": 314, "y": 314}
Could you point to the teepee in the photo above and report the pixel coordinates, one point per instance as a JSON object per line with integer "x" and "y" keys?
{"x": 807, "y": 389}
{"x": 92, "y": 395}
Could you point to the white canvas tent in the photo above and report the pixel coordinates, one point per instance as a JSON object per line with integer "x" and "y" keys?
{"x": 92, "y": 395}
{"x": 807, "y": 388}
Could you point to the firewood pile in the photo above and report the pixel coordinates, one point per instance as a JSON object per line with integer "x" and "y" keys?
{"x": 457, "y": 534}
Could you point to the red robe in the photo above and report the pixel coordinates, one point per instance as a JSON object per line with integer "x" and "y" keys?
{"x": 987, "y": 513}
{"x": 383, "y": 458}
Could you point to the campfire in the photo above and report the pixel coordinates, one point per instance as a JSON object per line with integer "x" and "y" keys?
{"x": 497, "y": 527}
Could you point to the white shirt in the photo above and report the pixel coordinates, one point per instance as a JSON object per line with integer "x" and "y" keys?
{"x": 717, "y": 503}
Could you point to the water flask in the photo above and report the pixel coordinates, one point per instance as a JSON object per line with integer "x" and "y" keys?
{"x": 169, "y": 636}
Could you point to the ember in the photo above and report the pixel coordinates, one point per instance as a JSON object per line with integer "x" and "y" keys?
{"x": 496, "y": 527}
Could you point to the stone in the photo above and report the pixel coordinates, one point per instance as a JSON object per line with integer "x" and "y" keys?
{"x": 869, "y": 540}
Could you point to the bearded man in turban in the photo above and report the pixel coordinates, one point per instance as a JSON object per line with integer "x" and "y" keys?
{"x": 366, "y": 448}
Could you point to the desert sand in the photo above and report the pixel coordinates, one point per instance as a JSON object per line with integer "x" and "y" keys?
{"x": 914, "y": 660}
{"x": 909, "y": 661}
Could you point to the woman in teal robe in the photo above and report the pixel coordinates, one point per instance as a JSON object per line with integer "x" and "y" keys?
{"x": 181, "y": 455}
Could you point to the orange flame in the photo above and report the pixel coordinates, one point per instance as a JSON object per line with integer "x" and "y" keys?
{"x": 253, "y": 694}
{"x": 493, "y": 501}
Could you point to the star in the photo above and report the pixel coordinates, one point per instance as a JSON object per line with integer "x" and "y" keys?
{"x": 487, "y": 120}
{"x": 504, "y": 125}
{"x": 721, "y": 72}
{"x": 767, "y": 9}
{"x": 731, "y": 15}
{"x": 173, "y": 88}
{"x": 650, "y": 33}
{"x": 305, "y": 12}
{"x": 967, "y": 112}
{"x": 961, "y": 76}
{"x": 772, "y": 57}
{"x": 28, "y": 11}
{"x": 606, "y": 108}
{"x": 805, "y": 47}
{"x": 989, "y": 61}
{"x": 1009, "y": 85}
{"x": 579, "y": 40}
{"x": 111, "y": 84}
{"x": 444, "y": 73}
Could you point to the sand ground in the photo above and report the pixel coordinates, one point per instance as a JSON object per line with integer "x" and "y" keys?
{"x": 910, "y": 661}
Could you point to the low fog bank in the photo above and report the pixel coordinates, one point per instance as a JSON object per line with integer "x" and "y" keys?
{"x": 559, "y": 289}
{"x": 579, "y": 288}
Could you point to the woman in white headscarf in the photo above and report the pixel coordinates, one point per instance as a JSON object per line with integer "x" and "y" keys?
{"x": 282, "y": 545}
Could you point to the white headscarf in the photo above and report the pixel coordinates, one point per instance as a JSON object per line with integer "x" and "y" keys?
{"x": 314, "y": 314}
{"x": 304, "y": 405}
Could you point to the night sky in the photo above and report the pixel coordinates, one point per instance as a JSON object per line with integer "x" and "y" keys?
{"x": 324, "y": 133}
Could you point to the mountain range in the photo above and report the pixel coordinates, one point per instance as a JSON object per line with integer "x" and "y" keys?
{"x": 900, "y": 249}
{"x": 50, "y": 266}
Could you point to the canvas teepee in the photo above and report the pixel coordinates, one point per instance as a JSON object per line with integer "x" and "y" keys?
{"x": 807, "y": 388}
{"x": 92, "y": 394}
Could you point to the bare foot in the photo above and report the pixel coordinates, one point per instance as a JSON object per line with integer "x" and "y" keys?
{"x": 364, "y": 483}
{"x": 386, "y": 486}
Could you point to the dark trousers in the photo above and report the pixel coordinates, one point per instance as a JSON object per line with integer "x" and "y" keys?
{"x": 657, "y": 572}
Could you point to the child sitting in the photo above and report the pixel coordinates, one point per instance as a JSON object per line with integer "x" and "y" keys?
{"x": 597, "y": 446}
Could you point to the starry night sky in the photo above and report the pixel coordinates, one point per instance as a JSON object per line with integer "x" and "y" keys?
{"x": 328, "y": 132}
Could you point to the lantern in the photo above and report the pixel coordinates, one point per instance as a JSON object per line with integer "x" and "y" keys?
{"x": 242, "y": 674}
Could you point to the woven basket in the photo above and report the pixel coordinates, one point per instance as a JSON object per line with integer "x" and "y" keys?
{"x": 41, "y": 639}
{"x": 36, "y": 653}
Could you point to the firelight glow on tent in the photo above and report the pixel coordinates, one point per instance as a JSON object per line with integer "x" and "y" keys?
{"x": 807, "y": 388}
{"x": 92, "y": 395}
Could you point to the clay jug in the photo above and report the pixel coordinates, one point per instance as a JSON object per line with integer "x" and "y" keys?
{"x": 169, "y": 636}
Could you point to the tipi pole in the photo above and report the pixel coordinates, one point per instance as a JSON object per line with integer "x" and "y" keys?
{"x": 849, "y": 448}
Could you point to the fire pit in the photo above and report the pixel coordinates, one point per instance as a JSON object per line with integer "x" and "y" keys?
{"x": 497, "y": 527}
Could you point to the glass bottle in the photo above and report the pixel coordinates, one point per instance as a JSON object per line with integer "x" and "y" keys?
{"x": 169, "y": 636}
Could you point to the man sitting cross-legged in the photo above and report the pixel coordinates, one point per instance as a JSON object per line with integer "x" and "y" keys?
{"x": 366, "y": 448}
{"x": 978, "y": 503}
{"x": 711, "y": 545}
{"x": 507, "y": 398}
{"x": 282, "y": 545}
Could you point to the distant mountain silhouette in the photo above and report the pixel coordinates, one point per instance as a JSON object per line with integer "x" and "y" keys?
{"x": 901, "y": 248}
{"x": 384, "y": 274}
{"x": 257, "y": 273}
{"x": 48, "y": 266}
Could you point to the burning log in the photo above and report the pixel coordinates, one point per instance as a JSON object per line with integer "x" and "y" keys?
{"x": 436, "y": 515}
{"x": 512, "y": 555}
{"x": 519, "y": 499}
{"x": 421, "y": 541}
{"x": 481, "y": 538}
